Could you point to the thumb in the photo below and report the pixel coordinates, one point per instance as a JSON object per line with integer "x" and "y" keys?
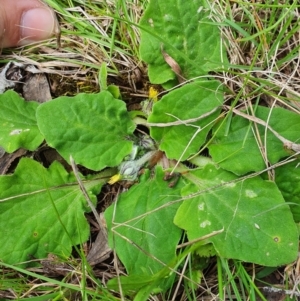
{"x": 25, "y": 21}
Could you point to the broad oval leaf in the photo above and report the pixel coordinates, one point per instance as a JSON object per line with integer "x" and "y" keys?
{"x": 181, "y": 105}
{"x": 258, "y": 224}
{"x": 42, "y": 211}
{"x": 143, "y": 235}
{"x": 93, "y": 128}
{"x": 184, "y": 31}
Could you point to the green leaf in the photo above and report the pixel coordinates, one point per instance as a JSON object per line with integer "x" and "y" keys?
{"x": 141, "y": 286}
{"x": 42, "y": 211}
{"x": 287, "y": 179}
{"x": 93, "y": 128}
{"x": 18, "y": 126}
{"x": 103, "y": 77}
{"x": 186, "y": 33}
{"x": 138, "y": 232}
{"x": 258, "y": 225}
{"x": 131, "y": 284}
{"x": 239, "y": 152}
{"x": 190, "y": 101}
{"x": 114, "y": 91}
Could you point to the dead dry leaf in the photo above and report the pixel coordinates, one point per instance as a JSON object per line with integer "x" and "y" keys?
{"x": 174, "y": 65}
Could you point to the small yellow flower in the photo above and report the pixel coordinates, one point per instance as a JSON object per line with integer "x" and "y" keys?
{"x": 153, "y": 94}
{"x": 114, "y": 179}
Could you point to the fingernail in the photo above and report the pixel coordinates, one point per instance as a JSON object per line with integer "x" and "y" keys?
{"x": 37, "y": 24}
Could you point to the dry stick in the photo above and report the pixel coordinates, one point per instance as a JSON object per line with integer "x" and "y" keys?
{"x": 275, "y": 290}
{"x": 115, "y": 250}
{"x": 199, "y": 129}
{"x": 186, "y": 123}
{"x": 262, "y": 146}
{"x": 287, "y": 143}
{"x": 84, "y": 192}
{"x": 213, "y": 233}
{"x": 181, "y": 277}
{"x": 118, "y": 273}
{"x": 182, "y": 122}
{"x": 37, "y": 191}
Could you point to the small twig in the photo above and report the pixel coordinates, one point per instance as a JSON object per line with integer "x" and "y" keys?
{"x": 275, "y": 290}
{"x": 85, "y": 194}
{"x": 213, "y": 233}
{"x": 179, "y": 282}
{"x": 183, "y": 122}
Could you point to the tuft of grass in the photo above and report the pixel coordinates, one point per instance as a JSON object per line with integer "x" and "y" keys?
{"x": 77, "y": 282}
{"x": 263, "y": 49}
{"x": 92, "y": 32}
